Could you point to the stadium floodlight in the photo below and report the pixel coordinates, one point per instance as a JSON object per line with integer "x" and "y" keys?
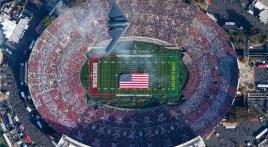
{"x": 118, "y": 24}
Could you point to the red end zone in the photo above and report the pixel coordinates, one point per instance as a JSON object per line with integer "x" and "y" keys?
{"x": 94, "y": 63}
{"x": 93, "y": 79}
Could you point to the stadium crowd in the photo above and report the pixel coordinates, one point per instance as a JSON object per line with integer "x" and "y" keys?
{"x": 59, "y": 54}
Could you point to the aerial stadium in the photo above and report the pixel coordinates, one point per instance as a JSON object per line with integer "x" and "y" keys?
{"x": 172, "y": 76}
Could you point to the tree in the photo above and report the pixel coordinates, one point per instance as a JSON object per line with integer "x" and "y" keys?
{"x": 244, "y": 59}
{"x": 243, "y": 89}
{"x": 241, "y": 114}
{"x": 47, "y": 21}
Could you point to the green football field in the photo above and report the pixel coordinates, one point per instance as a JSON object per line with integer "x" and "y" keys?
{"x": 166, "y": 74}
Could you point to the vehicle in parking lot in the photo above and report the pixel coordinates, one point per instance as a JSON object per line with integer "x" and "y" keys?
{"x": 16, "y": 118}
{"x": 27, "y": 138}
{"x": 22, "y": 128}
{"x": 32, "y": 44}
{"x": 29, "y": 109}
{"x": 10, "y": 120}
{"x": 8, "y": 51}
{"x": 39, "y": 124}
{"x": 3, "y": 126}
{"x": 22, "y": 94}
{"x": 54, "y": 142}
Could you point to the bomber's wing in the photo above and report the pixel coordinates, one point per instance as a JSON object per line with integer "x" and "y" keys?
{"x": 118, "y": 24}
{"x": 116, "y": 13}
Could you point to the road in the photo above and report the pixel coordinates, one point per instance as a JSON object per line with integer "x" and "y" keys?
{"x": 18, "y": 104}
{"x": 37, "y": 136}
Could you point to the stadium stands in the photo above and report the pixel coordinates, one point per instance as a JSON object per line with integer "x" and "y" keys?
{"x": 58, "y": 56}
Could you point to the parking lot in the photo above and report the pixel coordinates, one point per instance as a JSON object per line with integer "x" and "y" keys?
{"x": 235, "y": 10}
{"x": 241, "y": 135}
{"x": 19, "y": 107}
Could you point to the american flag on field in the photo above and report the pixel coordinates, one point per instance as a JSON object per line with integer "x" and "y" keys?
{"x": 134, "y": 81}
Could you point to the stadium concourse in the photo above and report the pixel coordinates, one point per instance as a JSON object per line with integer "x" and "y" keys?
{"x": 59, "y": 54}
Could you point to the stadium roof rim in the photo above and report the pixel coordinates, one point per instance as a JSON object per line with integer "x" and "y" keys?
{"x": 149, "y": 109}
{"x": 134, "y": 55}
{"x": 103, "y": 44}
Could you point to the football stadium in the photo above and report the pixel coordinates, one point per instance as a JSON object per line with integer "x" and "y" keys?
{"x": 172, "y": 77}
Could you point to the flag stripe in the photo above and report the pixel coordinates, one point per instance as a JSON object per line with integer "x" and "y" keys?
{"x": 136, "y": 82}
{"x": 134, "y": 85}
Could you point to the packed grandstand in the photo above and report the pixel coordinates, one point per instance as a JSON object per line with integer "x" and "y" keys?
{"x": 60, "y": 52}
